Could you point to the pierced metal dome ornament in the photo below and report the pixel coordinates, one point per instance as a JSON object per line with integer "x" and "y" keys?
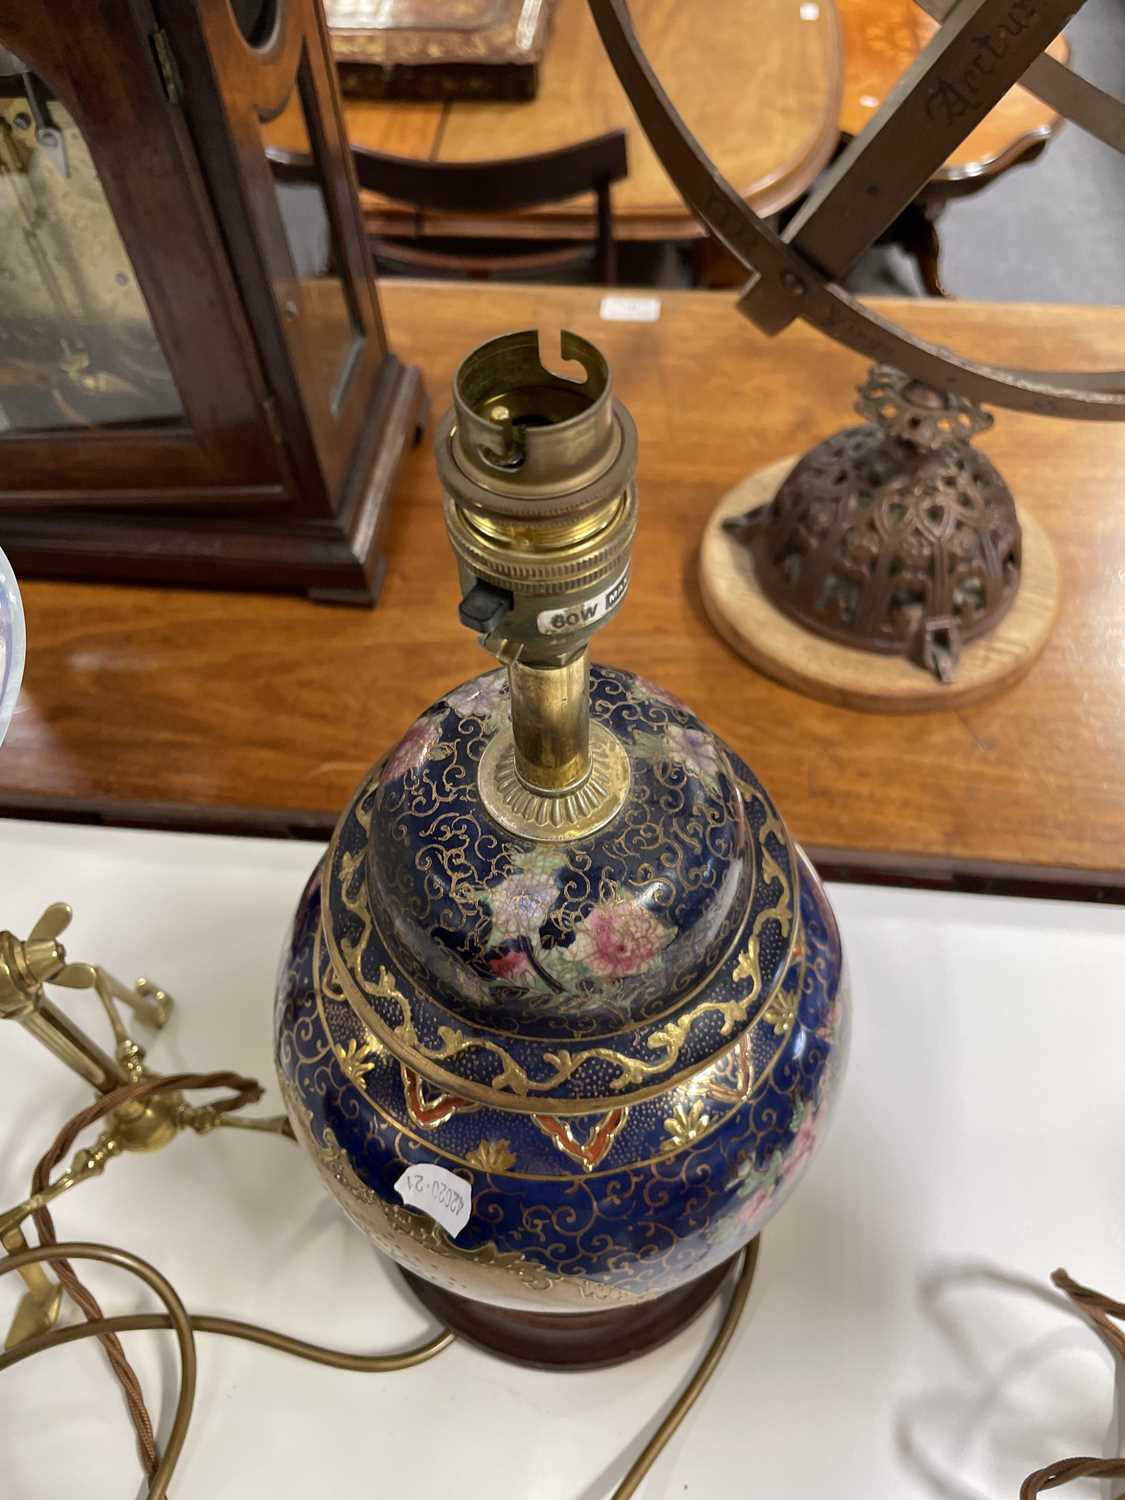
{"x": 897, "y": 537}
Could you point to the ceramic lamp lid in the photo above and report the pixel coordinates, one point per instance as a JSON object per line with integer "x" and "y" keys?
{"x": 572, "y": 976}
{"x": 12, "y": 643}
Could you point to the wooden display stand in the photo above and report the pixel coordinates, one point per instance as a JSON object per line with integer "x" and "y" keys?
{"x": 851, "y": 678}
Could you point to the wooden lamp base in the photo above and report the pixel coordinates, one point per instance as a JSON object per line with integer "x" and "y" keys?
{"x": 844, "y": 675}
{"x": 572, "y": 1341}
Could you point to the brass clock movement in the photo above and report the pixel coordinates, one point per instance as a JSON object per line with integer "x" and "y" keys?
{"x": 195, "y": 382}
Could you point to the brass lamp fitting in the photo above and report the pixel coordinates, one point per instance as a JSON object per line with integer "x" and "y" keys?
{"x": 541, "y": 509}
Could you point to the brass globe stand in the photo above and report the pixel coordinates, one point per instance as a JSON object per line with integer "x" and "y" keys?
{"x": 981, "y": 50}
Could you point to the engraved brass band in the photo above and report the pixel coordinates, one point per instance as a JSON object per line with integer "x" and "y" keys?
{"x": 570, "y": 813}
{"x": 793, "y": 282}
{"x": 1064, "y": 90}
{"x": 965, "y": 70}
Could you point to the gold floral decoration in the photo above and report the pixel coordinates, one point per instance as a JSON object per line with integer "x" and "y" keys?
{"x": 492, "y": 1156}
{"x": 685, "y": 1124}
{"x": 357, "y": 1058}
{"x": 666, "y": 1042}
{"x": 781, "y": 1010}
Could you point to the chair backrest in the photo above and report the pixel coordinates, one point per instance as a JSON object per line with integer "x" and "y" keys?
{"x": 496, "y": 187}
{"x": 491, "y": 187}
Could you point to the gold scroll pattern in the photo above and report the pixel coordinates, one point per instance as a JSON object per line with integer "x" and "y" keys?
{"x": 667, "y": 1042}
{"x": 395, "y": 1229}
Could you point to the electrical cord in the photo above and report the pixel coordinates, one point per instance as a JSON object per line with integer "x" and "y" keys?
{"x": 1099, "y": 1309}
{"x": 337, "y": 1359}
{"x": 246, "y": 1091}
{"x": 186, "y": 1325}
{"x": 177, "y": 1319}
{"x": 695, "y": 1386}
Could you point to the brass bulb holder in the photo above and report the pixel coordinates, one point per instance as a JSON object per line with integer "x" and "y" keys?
{"x": 541, "y": 510}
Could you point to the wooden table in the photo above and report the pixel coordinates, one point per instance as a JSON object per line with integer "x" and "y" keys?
{"x": 881, "y": 40}
{"x": 761, "y": 91}
{"x": 220, "y": 710}
{"x": 883, "y": 37}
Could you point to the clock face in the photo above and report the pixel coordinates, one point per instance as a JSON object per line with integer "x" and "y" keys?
{"x": 980, "y": 51}
{"x": 11, "y": 643}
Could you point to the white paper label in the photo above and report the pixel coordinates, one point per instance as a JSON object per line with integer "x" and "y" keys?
{"x": 617, "y": 309}
{"x": 441, "y": 1193}
{"x": 587, "y": 612}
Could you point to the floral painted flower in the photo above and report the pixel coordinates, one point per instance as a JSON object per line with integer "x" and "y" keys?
{"x": 618, "y": 938}
{"x": 695, "y": 751}
{"x": 513, "y": 964}
{"x": 414, "y": 749}
{"x": 481, "y": 698}
{"x": 756, "y": 1190}
{"x": 755, "y": 1204}
{"x": 829, "y": 1028}
{"x": 492, "y": 1156}
{"x": 804, "y": 1139}
{"x": 520, "y": 904}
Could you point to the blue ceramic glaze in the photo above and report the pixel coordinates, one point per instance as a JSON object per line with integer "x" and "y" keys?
{"x": 627, "y": 1047}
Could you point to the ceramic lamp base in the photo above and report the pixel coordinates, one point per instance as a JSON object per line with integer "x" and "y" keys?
{"x": 574, "y": 1341}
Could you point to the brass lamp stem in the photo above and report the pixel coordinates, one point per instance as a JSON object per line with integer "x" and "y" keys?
{"x": 551, "y": 723}
{"x": 541, "y": 507}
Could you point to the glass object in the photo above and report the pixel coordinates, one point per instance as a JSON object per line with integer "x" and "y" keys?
{"x": 77, "y": 344}
{"x": 12, "y": 643}
{"x": 320, "y": 311}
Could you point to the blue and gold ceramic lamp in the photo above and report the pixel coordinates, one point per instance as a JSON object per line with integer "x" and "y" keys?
{"x": 562, "y": 1016}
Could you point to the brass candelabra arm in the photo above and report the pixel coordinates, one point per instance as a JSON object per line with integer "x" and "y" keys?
{"x": 38, "y": 1309}
{"x": 139, "y": 1110}
{"x": 27, "y": 965}
{"x": 139, "y": 1119}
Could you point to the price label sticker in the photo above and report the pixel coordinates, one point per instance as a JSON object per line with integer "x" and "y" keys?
{"x": 446, "y": 1197}
{"x": 616, "y": 309}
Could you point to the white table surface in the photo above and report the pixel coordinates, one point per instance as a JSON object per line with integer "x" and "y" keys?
{"x": 892, "y": 1347}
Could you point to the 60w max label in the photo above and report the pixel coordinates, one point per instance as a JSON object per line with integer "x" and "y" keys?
{"x": 587, "y": 612}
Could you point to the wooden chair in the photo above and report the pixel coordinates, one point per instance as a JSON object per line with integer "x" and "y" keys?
{"x": 494, "y": 187}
